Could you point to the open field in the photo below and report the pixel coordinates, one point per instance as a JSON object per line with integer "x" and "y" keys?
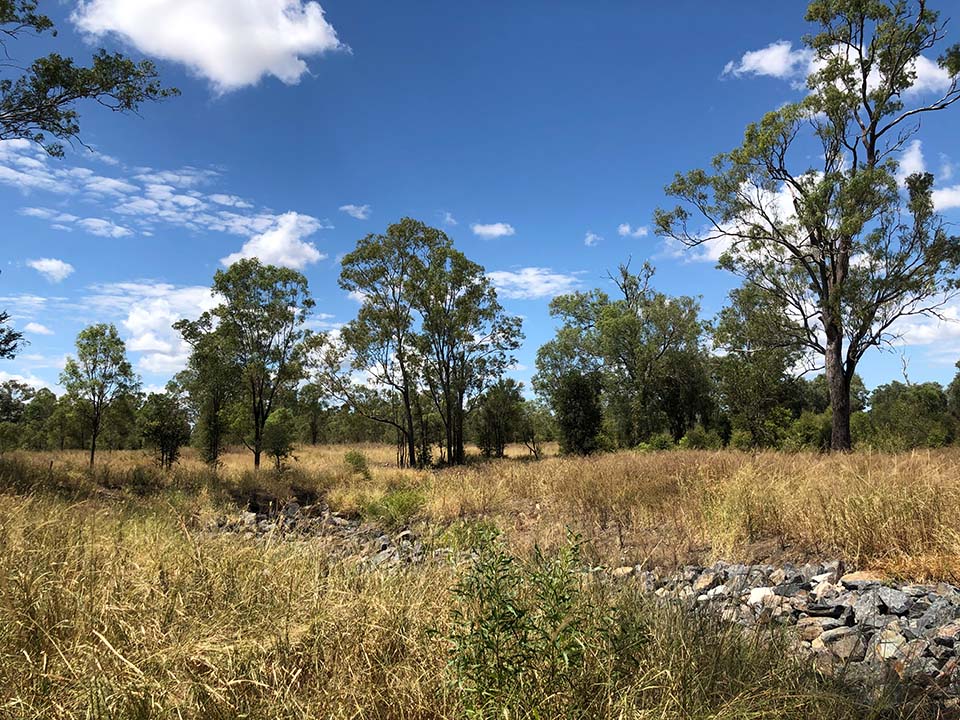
{"x": 898, "y": 513}
{"x": 114, "y": 603}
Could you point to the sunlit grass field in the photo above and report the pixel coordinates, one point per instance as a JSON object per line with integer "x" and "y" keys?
{"x": 115, "y": 602}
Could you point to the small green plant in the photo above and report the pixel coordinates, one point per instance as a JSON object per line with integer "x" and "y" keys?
{"x": 525, "y": 636}
{"x": 396, "y": 509}
{"x": 357, "y": 462}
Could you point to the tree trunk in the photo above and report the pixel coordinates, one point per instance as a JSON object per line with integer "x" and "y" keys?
{"x": 839, "y": 387}
{"x": 93, "y": 448}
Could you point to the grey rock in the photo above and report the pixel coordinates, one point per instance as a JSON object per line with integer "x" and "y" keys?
{"x": 894, "y": 601}
{"x": 846, "y": 643}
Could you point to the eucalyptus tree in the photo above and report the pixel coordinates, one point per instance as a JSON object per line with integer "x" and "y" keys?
{"x": 38, "y": 100}
{"x": 646, "y": 347}
{"x": 466, "y": 338}
{"x": 836, "y": 242}
{"x": 429, "y": 328}
{"x": 258, "y": 330}
{"x": 98, "y": 377}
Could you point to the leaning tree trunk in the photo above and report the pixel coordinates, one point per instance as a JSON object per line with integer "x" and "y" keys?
{"x": 839, "y": 386}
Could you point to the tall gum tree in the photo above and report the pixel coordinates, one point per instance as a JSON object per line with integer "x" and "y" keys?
{"x": 261, "y": 324}
{"x": 840, "y": 244}
{"x": 98, "y": 377}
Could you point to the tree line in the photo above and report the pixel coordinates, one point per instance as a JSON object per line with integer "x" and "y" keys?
{"x": 835, "y": 247}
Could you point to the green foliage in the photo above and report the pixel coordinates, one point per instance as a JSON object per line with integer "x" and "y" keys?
{"x": 10, "y": 340}
{"x": 98, "y": 377}
{"x": 164, "y": 425}
{"x": 521, "y": 632}
{"x": 430, "y": 331}
{"x": 645, "y": 347}
{"x": 357, "y": 462}
{"x": 497, "y": 420}
{"x": 41, "y": 104}
{"x": 847, "y": 253}
{"x": 659, "y": 441}
{"x": 536, "y": 427}
{"x": 810, "y": 431}
{"x": 396, "y": 508}
{"x": 699, "y": 438}
{"x": 279, "y": 435}
{"x": 254, "y": 342}
{"x": 903, "y": 417}
{"x": 578, "y": 412}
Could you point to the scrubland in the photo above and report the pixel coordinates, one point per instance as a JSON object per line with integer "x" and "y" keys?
{"x": 117, "y": 602}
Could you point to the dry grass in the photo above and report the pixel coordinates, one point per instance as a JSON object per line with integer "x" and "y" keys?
{"x": 898, "y": 513}
{"x": 116, "y": 609}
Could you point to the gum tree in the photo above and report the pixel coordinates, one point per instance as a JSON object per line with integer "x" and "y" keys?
{"x": 839, "y": 243}
{"x": 98, "y": 377}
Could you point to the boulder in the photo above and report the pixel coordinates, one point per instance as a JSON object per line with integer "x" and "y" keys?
{"x": 862, "y": 579}
{"x": 894, "y": 601}
{"x": 846, "y": 643}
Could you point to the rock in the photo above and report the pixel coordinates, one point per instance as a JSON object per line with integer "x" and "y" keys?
{"x": 948, "y": 634}
{"x": 810, "y": 628}
{"x": 846, "y": 643}
{"x": 894, "y": 601}
{"x": 291, "y": 509}
{"x": 622, "y": 572}
{"x": 824, "y": 589}
{"x": 778, "y": 576}
{"x": 828, "y": 577}
{"x": 940, "y": 612}
{"x": 866, "y": 610}
{"x": 888, "y": 643}
{"x": 834, "y": 610}
{"x": 719, "y": 591}
{"x": 248, "y": 518}
{"x": 383, "y": 557}
{"x": 788, "y": 589}
{"x": 758, "y": 595}
{"x": 707, "y": 581}
{"x": 861, "y": 580}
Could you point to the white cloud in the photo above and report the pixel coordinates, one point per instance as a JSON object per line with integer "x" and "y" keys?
{"x": 37, "y": 329}
{"x": 531, "y": 283}
{"x": 624, "y": 230}
{"x": 52, "y": 269}
{"x": 149, "y": 311}
{"x": 31, "y": 380}
{"x": 231, "y": 200}
{"x": 449, "y": 219}
{"x": 911, "y": 161}
{"x": 778, "y": 60}
{"x": 947, "y": 198}
{"x": 591, "y": 238}
{"x": 492, "y": 230}
{"x": 232, "y": 43}
{"x": 360, "y": 212}
{"x": 104, "y": 227}
{"x": 283, "y": 244}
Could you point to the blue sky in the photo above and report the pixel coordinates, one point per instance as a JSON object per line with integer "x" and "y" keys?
{"x": 531, "y": 132}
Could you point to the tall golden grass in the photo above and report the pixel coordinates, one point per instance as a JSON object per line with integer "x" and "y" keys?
{"x": 120, "y": 609}
{"x": 898, "y": 513}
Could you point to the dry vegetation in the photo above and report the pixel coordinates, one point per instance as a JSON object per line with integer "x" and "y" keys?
{"x": 115, "y": 604}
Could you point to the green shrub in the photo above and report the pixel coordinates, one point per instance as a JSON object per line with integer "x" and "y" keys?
{"x": 697, "y": 438}
{"x": 357, "y": 462}
{"x": 522, "y": 636}
{"x": 661, "y": 441}
{"x": 396, "y": 509}
{"x": 741, "y": 440}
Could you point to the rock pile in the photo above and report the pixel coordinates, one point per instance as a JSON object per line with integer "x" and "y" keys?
{"x": 857, "y": 621}
{"x": 348, "y": 537}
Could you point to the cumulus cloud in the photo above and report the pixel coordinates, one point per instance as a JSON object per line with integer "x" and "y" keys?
{"x": 782, "y": 61}
{"x": 947, "y": 198}
{"x": 490, "y": 231}
{"x": 149, "y": 310}
{"x": 778, "y": 59}
{"x": 30, "y": 379}
{"x": 625, "y": 230}
{"x": 231, "y": 43}
{"x": 283, "y": 244}
{"x": 52, "y": 269}
{"x": 591, "y": 238}
{"x": 37, "y": 329}
{"x": 911, "y": 161}
{"x": 448, "y": 218}
{"x": 531, "y": 283}
{"x": 360, "y": 212}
